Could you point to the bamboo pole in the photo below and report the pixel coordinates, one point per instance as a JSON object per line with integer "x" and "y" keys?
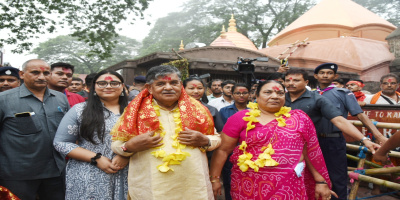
{"x": 382, "y": 170}
{"x": 292, "y": 45}
{"x": 356, "y": 184}
{"x": 366, "y": 162}
{"x": 297, "y": 46}
{"x": 351, "y": 168}
{"x": 378, "y": 125}
{"x": 377, "y": 171}
{"x": 354, "y": 147}
{"x": 378, "y": 181}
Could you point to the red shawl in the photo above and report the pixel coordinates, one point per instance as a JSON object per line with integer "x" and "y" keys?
{"x": 6, "y": 194}
{"x": 140, "y": 117}
{"x": 360, "y": 96}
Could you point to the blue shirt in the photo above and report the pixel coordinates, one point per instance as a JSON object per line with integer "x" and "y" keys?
{"x": 26, "y": 150}
{"x": 227, "y": 112}
{"x": 315, "y": 106}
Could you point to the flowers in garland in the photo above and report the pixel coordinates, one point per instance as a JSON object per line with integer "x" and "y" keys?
{"x": 284, "y": 111}
{"x": 173, "y": 158}
{"x": 264, "y": 159}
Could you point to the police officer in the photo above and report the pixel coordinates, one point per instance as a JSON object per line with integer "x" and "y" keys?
{"x": 9, "y": 78}
{"x": 317, "y": 108}
{"x": 334, "y": 148}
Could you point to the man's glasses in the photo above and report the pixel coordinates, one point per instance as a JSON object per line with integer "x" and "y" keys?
{"x": 240, "y": 94}
{"x": 113, "y": 84}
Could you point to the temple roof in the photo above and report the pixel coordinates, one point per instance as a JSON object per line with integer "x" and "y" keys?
{"x": 350, "y": 53}
{"x": 233, "y": 38}
{"x": 395, "y": 33}
{"x": 334, "y": 14}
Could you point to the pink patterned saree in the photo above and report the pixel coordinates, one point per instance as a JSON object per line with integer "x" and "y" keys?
{"x": 277, "y": 182}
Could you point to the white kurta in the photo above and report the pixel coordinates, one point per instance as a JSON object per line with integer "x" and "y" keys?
{"x": 189, "y": 180}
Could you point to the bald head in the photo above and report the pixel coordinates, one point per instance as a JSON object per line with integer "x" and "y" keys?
{"x": 34, "y": 62}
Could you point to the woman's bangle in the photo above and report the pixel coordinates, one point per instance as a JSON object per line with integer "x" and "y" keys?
{"x": 214, "y": 181}
{"x": 321, "y": 182}
{"x": 93, "y": 160}
{"x": 215, "y": 177}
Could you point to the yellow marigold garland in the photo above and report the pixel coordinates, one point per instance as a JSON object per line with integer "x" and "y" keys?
{"x": 172, "y": 158}
{"x": 264, "y": 159}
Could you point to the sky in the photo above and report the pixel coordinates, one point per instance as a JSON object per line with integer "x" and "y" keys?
{"x": 138, "y": 31}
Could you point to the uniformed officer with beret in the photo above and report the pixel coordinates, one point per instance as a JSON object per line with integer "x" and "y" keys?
{"x": 9, "y": 78}
{"x": 334, "y": 148}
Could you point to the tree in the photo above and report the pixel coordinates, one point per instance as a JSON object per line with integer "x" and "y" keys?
{"x": 387, "y": 9}
{"x": 202, "y": 20}
{"x": 259, "y": 20}
{"x": 194, "y": 24}
{"x": 91, "y": 21}
{"x": 71, "y": 50}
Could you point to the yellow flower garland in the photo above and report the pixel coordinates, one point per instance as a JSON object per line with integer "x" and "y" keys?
{"x": 264, "y": 159}
{"x": 172, "y": 158}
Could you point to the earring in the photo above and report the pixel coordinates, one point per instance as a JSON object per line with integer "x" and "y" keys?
{"x": 122, "y": 94}
{"x": 95, "y": 94}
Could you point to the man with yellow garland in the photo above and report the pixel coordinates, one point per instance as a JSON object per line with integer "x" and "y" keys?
{"x": 166, "y": 133}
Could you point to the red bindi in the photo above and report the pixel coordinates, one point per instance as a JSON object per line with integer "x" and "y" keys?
{"x": 290, "y": 78}
{"x": 42, "y": 68}
{"x": 390, "y": 80}
{"x": 276, "y": 88}
{"x": 167, "y": 78}
{"x": 108, "y": 78}
{"x": 66, "y": 70}
{"x": 194, "y": 85}
{"x": 242, "y": 90}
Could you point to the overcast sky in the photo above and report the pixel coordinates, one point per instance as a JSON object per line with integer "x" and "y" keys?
{"x": 157, "y": 9}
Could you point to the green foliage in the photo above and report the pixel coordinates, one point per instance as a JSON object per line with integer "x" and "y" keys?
{"x": 259, "y": 20}
{"x": 71, "y": 50}
{"x": 182, "y": 65}
{"x": 189, "y": 25}
{"x": 387, "y": 9}
{"x": 92, "y": 21}
{"x": 202, "y": 20}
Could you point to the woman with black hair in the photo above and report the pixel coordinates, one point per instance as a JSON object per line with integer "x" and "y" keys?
{"x": 93, "y": 170}
{"x": 195, "y": 88}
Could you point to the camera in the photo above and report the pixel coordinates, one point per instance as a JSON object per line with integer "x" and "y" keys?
{"x": 246, "y": 68}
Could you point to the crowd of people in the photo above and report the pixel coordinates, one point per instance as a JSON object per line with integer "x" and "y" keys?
{"x": 164, "y": 138}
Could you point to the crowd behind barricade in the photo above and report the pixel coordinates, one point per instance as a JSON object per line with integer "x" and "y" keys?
{"x": 162, "y": 138}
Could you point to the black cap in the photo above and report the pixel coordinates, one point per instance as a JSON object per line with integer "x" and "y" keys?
{"x": 140, "y": 79}
{"x": 9, "y": 71}
{"x": 331, "y": 66}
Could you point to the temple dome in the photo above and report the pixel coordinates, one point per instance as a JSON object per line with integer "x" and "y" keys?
{"x": 233, "y": 38}
{"x": 358, "y": 55}
{"x": 333, "y": 19}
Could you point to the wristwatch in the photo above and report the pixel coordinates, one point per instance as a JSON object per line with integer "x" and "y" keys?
{"x": 364, "y": 138}
{"x": 205, "y": 148}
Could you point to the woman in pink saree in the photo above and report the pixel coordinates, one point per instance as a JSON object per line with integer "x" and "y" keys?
{"x": 276, "y": 143}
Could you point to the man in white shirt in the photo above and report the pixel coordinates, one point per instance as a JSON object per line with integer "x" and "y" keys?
{"x": 216, "y": 89}
{"x": 226, "y": 99}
